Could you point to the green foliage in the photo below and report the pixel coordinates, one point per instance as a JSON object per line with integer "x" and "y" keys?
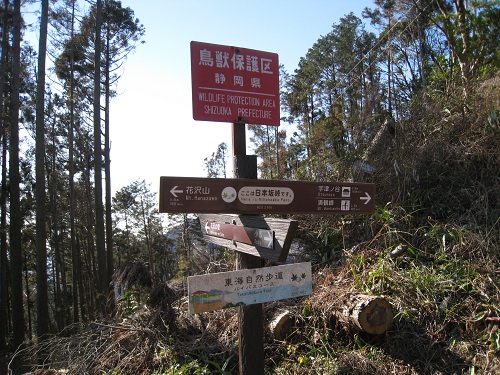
{"x": 216, "y": 165}
{"x": 131, "y": 302}
{"x": 220, "y": 369}
{"x": 442, "y": 236}
{"x": 191, "y": 368}
{"x": 329, "y": 239}
{"x": 171, "y": 365}
{"x": 306, "y": 309}
{"x": 320, "y": 98}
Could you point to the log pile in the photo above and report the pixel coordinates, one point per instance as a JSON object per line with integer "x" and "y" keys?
{"x": 359, "y": 312}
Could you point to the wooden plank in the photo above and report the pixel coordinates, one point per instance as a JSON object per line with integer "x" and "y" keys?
{"x": 284, "y": 232}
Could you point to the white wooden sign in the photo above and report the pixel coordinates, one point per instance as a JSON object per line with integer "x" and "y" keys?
{"x": 249, "y": 286}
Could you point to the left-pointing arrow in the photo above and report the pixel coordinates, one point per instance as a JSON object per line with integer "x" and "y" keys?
{"x": 175, "y": 192}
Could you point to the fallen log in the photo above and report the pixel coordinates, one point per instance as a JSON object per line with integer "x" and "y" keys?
{"x": 370, "y": 314}
{"x": 360, "y": 312}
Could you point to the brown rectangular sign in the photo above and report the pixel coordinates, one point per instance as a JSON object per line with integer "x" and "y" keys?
{"x": 220, "y": 195}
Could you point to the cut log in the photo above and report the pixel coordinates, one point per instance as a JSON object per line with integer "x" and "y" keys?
{"x": 359, "y": 312}
{"x": 281, "y": 326}
{"x": 370, "y": 314}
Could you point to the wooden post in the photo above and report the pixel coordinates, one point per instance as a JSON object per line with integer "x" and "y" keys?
{"x": 250, "y": 318}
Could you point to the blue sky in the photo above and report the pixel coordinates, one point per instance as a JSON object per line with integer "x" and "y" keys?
{"x": 152, "y": 130}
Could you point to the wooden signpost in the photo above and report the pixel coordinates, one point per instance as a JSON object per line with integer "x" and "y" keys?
{"x": 241, "y": 86}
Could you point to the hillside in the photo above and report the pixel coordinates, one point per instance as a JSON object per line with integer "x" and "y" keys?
{"x": 431, "y": 249}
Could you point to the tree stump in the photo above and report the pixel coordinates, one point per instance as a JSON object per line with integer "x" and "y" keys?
{"x": 281, "y": 326}
{"x": 370, "y": 314}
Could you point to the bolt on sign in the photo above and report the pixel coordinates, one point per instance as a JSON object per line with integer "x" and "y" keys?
{"x": 231, "y": 84}
{"x": 246, "y": 196}
{"x": 249, "y": 286}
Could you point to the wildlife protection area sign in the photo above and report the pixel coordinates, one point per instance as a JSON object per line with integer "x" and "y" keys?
{"x": 246, "y": 196}
{"x": 232, "y": 84}
{"x": 249, "y": 286}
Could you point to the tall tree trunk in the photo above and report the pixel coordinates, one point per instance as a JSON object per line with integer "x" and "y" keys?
{"x": 99, "y": 210}
{"x": 71, "y": 167}
{"x": 457, "y": 30}
{"x": 147, "y": 234}
{"x": 389, "y": 69}
{"x": 81, "y": 286}
{"x": 58, "y": 264}
{"x": 42, "y": 299}
{"x": 15, "y": 195}
{"x": 107, "y": 167}
{"x": 3, "y": 261}
{"x": 56, "y": 287}
{"x": 3, "y": 200}
{"x": 421, "y": 46}
{"x": 28, "y": 297}
{"x": 91, "y": 276}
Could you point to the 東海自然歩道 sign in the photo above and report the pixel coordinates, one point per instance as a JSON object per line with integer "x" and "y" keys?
{"x": 249, "y": 286}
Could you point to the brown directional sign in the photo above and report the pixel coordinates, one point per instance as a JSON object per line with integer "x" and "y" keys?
{"x": 251, "y": 236}
{"x": 263, "y": 237}
{"x": 220, "y": 195}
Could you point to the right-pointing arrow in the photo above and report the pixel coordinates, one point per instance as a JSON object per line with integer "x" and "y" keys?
{"x": 267, "y": 237}
{"x": 367, "y": 198}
